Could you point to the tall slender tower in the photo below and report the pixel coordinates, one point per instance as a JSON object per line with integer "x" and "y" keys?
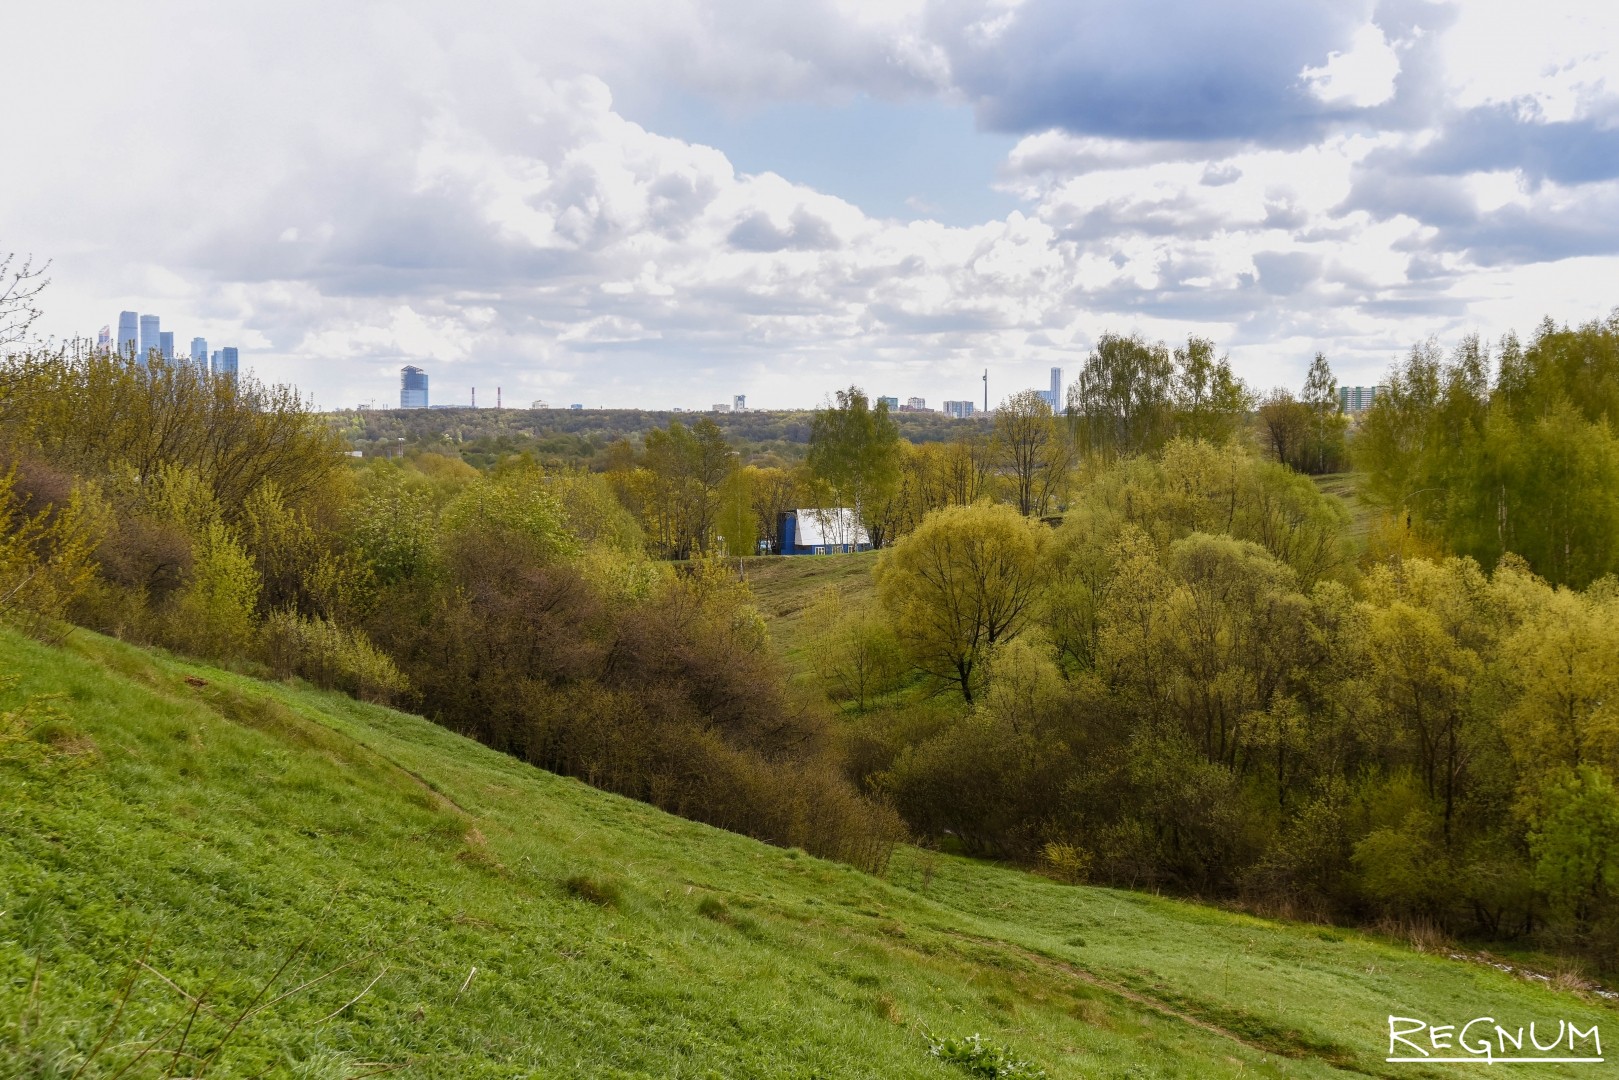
{"x": 225, "y": 362}
{"x": 151, "y": 338}
{"x": 1056, "y": 389}
{"x": 128, "y": 343}
{"x": 166, "y": 345}
{"x": 199, "y": 354}
{"x": 986, "y": 390}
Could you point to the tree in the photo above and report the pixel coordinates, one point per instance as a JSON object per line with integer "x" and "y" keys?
{"x": 854, "y": 449}
{"x": 1286, "y": 423}
{"x": 963, "y": 582}
{"x": 1034, "y": 449}
{"x": 1327, "y": 423}
{"x": 677, "y": 487}
{"x": 19, "y": 288}
{"x": 772, "y": 492}
{"x": 854, "y": 652}
{"x": 1122, "y": 402}
{"x": 1211, "y": 403}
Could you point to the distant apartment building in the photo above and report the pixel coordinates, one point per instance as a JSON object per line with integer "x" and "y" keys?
{"x": 739, "y": 403}
{"x": 720, "y": 406}
{"x": 225, "y": 363}
{"x": 959, "y": 409}
{"x": 151, "y": 337}
{"x": 1357, "y": 399}
{"x": 915, "y": 404}
{"x": 891, "y": 402}
{"x": 412, "y": 387}
{"x": 128, "y": 343}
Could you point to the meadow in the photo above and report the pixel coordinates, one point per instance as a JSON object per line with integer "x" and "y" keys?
{"x": 206, "y": 874}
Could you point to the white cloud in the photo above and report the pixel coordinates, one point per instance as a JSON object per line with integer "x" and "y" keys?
{"x": 1362, "y": 76}
{"x": 459, "y": 188}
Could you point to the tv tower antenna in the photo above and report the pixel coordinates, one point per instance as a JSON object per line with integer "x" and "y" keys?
{"x": 986, "y": 389}
{"x": 474, "y": 397}
{"x": 497, "y": 397}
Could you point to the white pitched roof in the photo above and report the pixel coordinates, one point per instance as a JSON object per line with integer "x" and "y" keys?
{"x": 829, "y": 528}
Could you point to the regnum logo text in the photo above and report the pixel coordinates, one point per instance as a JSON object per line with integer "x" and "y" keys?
{"x": 1483, "y": 1039}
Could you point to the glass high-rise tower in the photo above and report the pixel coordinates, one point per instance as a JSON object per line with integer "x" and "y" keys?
{"x": 225, "y": 362}
{"x": 166, "y": 345}
{"x": 151, "y": 338}
{"x": 128, "y": 341}
{"x": 412, "y": 388}
{"x": 199, "y": 354}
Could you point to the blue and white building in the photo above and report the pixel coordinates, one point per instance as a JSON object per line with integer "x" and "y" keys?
{"x": 822, "y": 532}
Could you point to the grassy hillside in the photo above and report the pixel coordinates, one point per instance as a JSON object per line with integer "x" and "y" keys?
{"x": 783, "y": 586}
{"x": 260, "y": 880}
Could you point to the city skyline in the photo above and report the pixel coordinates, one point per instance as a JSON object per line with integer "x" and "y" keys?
{"x": 139, "y": 344}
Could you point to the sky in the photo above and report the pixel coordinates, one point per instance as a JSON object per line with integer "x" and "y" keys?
{"x": 665, "y": 204}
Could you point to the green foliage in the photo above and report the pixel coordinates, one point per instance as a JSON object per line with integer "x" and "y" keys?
{"x": 1211, "y": 403}
{"x": 1528, "y": 466}
{"x": 214, "y": 615}
{"x": 516, "y": 507}
{"x": 677, "y": 488}
{"x": 854, "y": 450}
{"x": 1574, "y": 841}
{"x": 1035, "y": 451}
{"x": 99, "y": 414}
{"x": 329, "y": 655}
{"x": 966, "y": 580}
{"x": 395, "y": 526}
{"x": 983, "y": 1059}
{"x": 1122, "y": 401}
{"x": 47, "y": 549}
{"x": 852, "y": 649}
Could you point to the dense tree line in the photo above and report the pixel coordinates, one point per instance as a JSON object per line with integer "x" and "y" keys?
{"x": 1194, "y": 684}
{"x": 517, "y": 605}
{"x": 1515, "y": 453}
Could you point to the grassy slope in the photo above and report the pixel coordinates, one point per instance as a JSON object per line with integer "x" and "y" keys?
{"x": 784, "y": 585}
{"x": 212, "y": 829}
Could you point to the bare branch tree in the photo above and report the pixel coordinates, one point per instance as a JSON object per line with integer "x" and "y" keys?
{"x": 19, "y": 288}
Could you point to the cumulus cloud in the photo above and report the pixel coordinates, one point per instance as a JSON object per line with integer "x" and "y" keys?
{"x": 466, "y": 188}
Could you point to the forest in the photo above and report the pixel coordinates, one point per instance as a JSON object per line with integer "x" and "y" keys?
{"x": 1131, "y": 642}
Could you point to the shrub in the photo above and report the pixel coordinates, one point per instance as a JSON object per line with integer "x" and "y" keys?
{"x": 984, "y": 1059}
{"x": 330, "y": 656}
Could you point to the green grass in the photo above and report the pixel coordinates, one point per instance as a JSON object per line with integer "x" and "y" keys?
{"x": 498, "y": 921}
{"x": 783, "y": 586}
{"x": 1345, "y": 487}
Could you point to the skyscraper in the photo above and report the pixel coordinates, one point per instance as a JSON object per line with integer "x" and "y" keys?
{"x": 412, "y": 387}
{"x": 151, "y": 338}
{"x": 128, "y": 342}
{"x": 225, "y": 362}
{"x": 1056, "y": 389}
{"x": 104, "y": 339}
{"x": 166, "y": 345}
{"x": 199, "y": 354}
